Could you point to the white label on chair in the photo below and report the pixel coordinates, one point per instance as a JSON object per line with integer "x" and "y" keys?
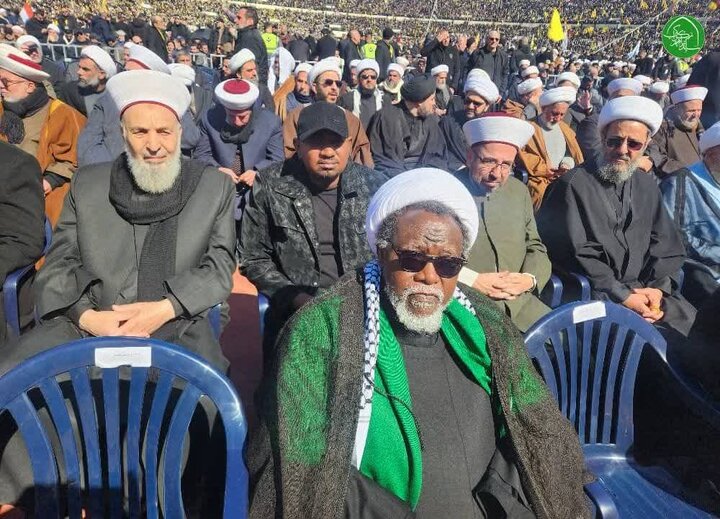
{"x": 589, "y": 311}
{"x": 139, "y": 357}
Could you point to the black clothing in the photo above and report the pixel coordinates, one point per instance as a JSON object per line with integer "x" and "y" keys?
{"x": 438, "y": 54}
{"x": 156, "y": 42}
{"x": 71, "y": 94}
{"x": 521, "y": 53}
{"x": 400, "y": 141}
{"x": 325, "y": 208}
{"x": 644, "y": 66}
{"x": 457, "y": 148}
{"x": 620, "y": 237}
{"x": 68, "y": 24}
{"x": 666, "y": 68}
{"x": 250, "y": 38}
{"x": 34, "y": 27}
{"x": 349, "y": 52}
{"x": 217, "y": 40}
{"x": 707, "y": 73}
{"x": 326, "y": 47}
{"x": 588, "y": 137}
{"x": 300, "y": 50}
{"x": 496, "y": 64}
{"x": 384, "y": 55}
{"x": 56, "y": 73}
{"x": 179, "y": 30}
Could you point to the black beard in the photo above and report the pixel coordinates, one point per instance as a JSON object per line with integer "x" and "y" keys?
{"x": 365, "y": 92}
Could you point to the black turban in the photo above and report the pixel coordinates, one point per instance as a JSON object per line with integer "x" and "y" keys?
{"x": 418, "y": 89}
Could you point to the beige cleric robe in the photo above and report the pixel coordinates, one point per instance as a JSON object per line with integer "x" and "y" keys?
{"x": 508, "y": 240}
{"x": 534, "y": 157}
{"x": 673, "y": 148}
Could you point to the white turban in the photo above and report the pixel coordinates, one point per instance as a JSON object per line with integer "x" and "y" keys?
{"x": 147, "y": 59}
{"x": 558, "y": 95}
{"x": 646, "y": 81}
{"x": 236, "y": 94}
{"x": 682, "y": 81}
{"x": 368, "y": 64}
{"x": 26, "y": 38}
{"x": 689, "y": 93}
{"x": 148, "y": 86}
{"x": 19, "y": 63}
{"x": 397, "y": 68}
{"x": 322, "y": 66}
{"x": 239, "y": 59}
{"x": 303, "y": 67}
{"x": 484, "y": 88}
{"x": 184, "y": 73}
{"x": 439, "y": 70}
{"x": 421, "y": 185}
{"x": 354, "y": 63}
{"x": 498, "y": 128}
{"x": 710, "y": 138}
{"x": 530, "y": 70}
{"x": 524, "y": 63}
{"x": 53, "y": 27}
{"x": 101, "y": 58}
{"x": 659, "y": 87}
{"x": 568, "y": 76}
{"x": 529, "y": 85}
{"x": 624, "y": 83}
{"x": 632, "y": 108}
{"x": 402, "y": 61}
{"x": 477, "y": 72}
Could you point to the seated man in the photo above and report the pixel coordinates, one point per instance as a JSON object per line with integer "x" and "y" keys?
{"x": 22, "y": 213}
{"x": 434, "y": 371}
{"x": 407, "y": 135}
{"x": 238, "y": 135}
{"x": 508, "y": 262}
{"x": 367, "y": 99}
{"x": 325, "y": 83}
{"x": 393, "y": 82}
{"x": 480, "y": 94}
{"x": 286, "y": 102}
{"x": 95, "y": 68}
{"x": 244, "y": 66}
{"x": 527, "y": 105}
{"x": 608, "y": 223}
{"x": 692, "y": 196}
{"x": 302, "y": 228}
{"x": 553, "y": 149}
{"x": 442, "y": 89}
{"x": 675, "y": 146}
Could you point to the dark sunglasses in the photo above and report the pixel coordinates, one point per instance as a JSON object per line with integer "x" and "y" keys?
{"x": 493, "y": 39}
{"x": 616, "y": 142}
{"x": 473, "y": 104}
{"x": 330, "y": 82}
{"x": 445, "y": 266}
{"x": 366, "y": 77}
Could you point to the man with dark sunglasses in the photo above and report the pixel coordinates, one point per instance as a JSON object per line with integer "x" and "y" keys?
{"x": 367, "y": 99}
{"x": 302, "y": 228}
{"x": 493, "y": 60}
{"x": 607, "y": 222}
{"x": 391, "y": 394}
{"x": 325, "y": 84}
{"x": 508, "y": 262}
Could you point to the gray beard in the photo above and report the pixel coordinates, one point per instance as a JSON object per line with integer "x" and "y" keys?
{"x": 154, "y": 178}
{"x": 419, "y": 324}
{"x": 614, "y": 175}
{"x": 93, "y": 83}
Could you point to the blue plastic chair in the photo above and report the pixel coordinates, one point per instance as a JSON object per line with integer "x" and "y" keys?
{"x": 263, "y": 305}
{"x": 11, "y": 286}
{"x": 553, "y": 292}
{"x": 591, "y": 371}
{"x": 174, "y": 364}
{"x": 576, "y": 287}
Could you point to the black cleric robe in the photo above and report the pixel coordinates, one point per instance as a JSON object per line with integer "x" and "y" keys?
{"x": 619, "y": 236}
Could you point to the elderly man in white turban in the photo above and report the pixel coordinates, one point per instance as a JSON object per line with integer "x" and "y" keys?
{"x": 443, "y": 92}
{"x": 243, "y": 65}
{"x": 391, "y": 393}
{"x": 201, "y": 97}
{"x": 94, "y": 70}
{"x": 102, "y": 139}
{"x": 480, "y": 95}
{"x": 606, "y": 221}
{"x": 553, "y": 149}
{"x": 692, "y": 197}
{"x": 675, "y": 145}
{"x": 527, "y": 105}
{"x": 144, "y": 247}
{"x": 658, "y": 92}
{"x": 367, "y": 99}
{"x": 31, "y": 46}
{"x": 507, "y": 262}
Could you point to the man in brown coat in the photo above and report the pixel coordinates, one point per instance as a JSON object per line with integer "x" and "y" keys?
{"x": 553, "y": 149}
{"x": 51, "y": 127}
{"x": 325, "y": 84}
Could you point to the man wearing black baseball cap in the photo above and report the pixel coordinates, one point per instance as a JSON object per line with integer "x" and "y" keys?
{"x": 302, "y": 228}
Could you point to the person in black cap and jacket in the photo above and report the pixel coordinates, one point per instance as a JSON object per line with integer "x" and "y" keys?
{"x": 385, "y": 52}
{"x": 407, "y": 135}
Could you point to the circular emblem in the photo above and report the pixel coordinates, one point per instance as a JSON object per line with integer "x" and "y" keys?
{"x": 683, "y": 36}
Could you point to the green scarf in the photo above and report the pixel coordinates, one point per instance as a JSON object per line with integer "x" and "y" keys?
{"x": 392, "y": 455}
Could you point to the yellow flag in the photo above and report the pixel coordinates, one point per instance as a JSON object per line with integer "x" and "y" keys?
{"x": 712, "y": 6}
{"x": 555, "y": 30}
{"x": 593, "y": 14}
{"x": 103, "y": 6}
{"x": 664, "y": 4}
{"x": 643, "y": 5}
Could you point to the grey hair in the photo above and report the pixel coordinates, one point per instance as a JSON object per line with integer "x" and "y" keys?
{"x": 384, "y": 237}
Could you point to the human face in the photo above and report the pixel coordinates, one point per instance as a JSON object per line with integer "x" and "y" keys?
{"x": 89, "y": 74}
{"x": 325, "y": 156}
{"x": 490, "y": 164}
{"x": 623, "y": 143}
{"x": 393, "y": 78}
{"x": 301, "y": 83}
{"x": 475, "y": 105}
{"x": 226, "y": 68}
{"x": 554, "y": 113}
{"x": 368, "y": 79}
{"x": 242, "y": 19}
{"x": 238, "y": 118}
{"x": 441, "y": 79}
{"x": 421, "y": 64}
{"x": 31, "y": 50}
{"x": 353, "y": 77}
{"x": 423, "y": 295}
{"x": 688, "y": 113}
{"x": 248, "y": 71}
{"x": 427, "y": 107}
{"x": 493, "y": 40}
{"x": 13, "y": 88}
{"x": 355, "y": 37}
{"x": 185, "y": 59}
{"x": 151, "y": 131}
{"x": 327, "y": 86}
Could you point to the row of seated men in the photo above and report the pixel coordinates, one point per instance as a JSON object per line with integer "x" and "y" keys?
{"x": 147, "y": 243}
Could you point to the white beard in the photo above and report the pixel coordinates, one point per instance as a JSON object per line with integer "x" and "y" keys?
{"x": 154, "y": 178}
{"x": 617, "y": 175}
{"x": 420, "y": 324}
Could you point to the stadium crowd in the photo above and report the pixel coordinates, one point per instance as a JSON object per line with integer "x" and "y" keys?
{"x": 400, "y": 197}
